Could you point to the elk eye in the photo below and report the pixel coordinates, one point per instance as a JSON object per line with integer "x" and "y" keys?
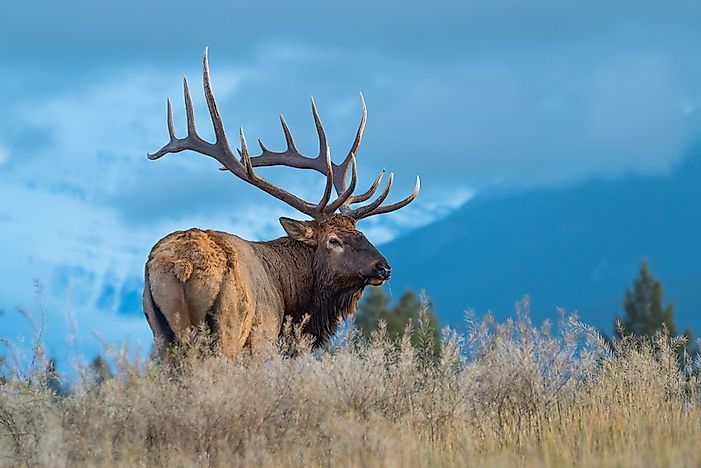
{"x": 334, "y": 242}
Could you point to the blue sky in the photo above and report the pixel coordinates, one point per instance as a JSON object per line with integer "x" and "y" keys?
{"x": 470, "y": 95}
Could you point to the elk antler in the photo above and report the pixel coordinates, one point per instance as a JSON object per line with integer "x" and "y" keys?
{"x": 336, "y": 174}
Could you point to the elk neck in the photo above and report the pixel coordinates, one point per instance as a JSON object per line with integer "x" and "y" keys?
{"x": 307, "y": 290}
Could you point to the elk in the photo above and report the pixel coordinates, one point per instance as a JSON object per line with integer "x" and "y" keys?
{"x": 244, "y": 291}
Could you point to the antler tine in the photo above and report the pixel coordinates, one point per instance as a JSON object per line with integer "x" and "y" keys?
{"x": 291, "y": 157}
{"x": 218, "y": 150}
{"x": 329, "y": 183}
{"x": 342, "y": 169}
{"x": 393, "y": 206}
{"x": 281, "y": 194}
{"x": 369, "y": 193}
{"x": 217, "y": 123}
{"x": 343, "y": 197}
{"x": 173, "y": 139}
{"x": 189, "y": 110}
{"x": 323, "y": 142}
{"x": 192, "y": 141}
{"x": 375, "y": 207}
{"x": 323, "y": 164}
{"x": 288, "y": 135}
{"x": 171, "y": 125}
{"x": 363, "y": 211}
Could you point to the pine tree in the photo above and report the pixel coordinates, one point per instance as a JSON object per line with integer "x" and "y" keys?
{"x": 644, "y": 312}
{"x": 409, "y": 310}
{"x": 375, "y": 306}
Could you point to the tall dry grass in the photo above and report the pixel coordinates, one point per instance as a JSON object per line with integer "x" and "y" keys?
{"x": 500, "y": 394}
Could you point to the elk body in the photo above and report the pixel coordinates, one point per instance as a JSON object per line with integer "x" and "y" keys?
{"x": 244, "y": 291}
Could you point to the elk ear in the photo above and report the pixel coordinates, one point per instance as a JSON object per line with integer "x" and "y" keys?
{"x": 302, "y": 231}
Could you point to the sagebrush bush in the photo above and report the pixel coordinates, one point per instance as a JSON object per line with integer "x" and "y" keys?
{"x": 501, "y": 394}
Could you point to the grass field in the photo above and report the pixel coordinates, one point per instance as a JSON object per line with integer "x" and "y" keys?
{"x": 500, "y": 394}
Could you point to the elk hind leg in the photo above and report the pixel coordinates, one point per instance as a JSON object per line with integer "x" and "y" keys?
{"x": 162, "y": 332}
{"x": 170, "y": 312}
{"x": 235, "y": 313}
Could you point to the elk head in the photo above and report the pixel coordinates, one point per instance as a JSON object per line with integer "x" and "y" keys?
{"x": 343, "y": 256}
{"x": 341, "y": 252}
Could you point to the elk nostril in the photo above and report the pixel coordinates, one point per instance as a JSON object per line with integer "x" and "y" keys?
{"x": 382, "y": 269}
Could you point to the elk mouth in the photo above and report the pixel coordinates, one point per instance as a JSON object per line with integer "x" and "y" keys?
{"x": 380, "y": 273}
{"x": 376, "y": 280}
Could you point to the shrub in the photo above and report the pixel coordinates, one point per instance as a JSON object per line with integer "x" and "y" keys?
{"x": 502, "y": 394}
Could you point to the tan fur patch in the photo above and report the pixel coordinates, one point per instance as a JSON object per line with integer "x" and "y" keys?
{"x": 182, "y": 269}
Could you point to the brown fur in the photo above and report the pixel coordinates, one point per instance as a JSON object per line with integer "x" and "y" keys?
{"x": 244, "y": 289}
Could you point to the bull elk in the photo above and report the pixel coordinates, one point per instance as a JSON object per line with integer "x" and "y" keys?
{"x": 243, "y": 290}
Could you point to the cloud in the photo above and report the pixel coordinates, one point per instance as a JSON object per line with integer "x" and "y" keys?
{"x": 543, "y": 113}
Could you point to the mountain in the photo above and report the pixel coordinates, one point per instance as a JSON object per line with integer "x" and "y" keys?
{"x": 577, "y": 247}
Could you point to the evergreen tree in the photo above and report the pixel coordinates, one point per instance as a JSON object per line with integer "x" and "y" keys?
{"x": 644, "y": 312}
{"x": 409, "y": 310}
{"x": 375, "y": 306}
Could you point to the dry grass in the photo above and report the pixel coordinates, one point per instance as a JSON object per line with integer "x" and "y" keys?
{"x": 501, "y": 395}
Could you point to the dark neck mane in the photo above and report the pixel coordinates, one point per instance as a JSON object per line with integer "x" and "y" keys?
{"x": 327, "y": 311}
{"x": 307, "y": 292}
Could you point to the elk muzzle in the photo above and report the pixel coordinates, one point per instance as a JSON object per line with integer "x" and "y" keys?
{"x": 381, "y": 272}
